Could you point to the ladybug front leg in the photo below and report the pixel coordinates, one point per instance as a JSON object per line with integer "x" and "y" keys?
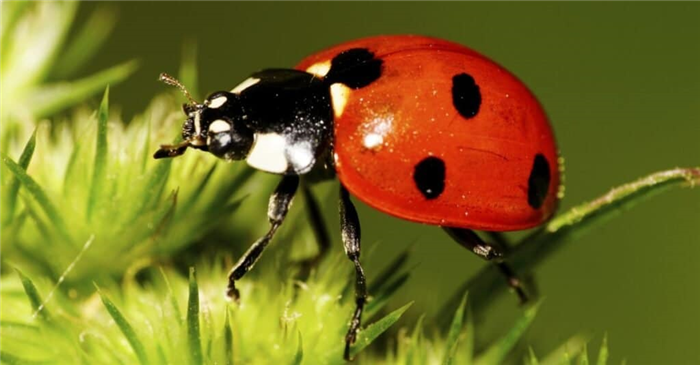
{"x": 491, "y": 252}
{"x": 350, "y": 232}
{"x": 277, "y": 209}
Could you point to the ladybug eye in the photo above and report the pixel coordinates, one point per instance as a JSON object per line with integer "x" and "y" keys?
{"x": 188, "y": 129}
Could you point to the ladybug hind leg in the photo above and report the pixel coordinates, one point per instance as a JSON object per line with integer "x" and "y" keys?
{"x": 491, "y": 252}
{"x": 278, "y": 207}
{"x": 350, "y": 232}
{"x": 529, "y": 281}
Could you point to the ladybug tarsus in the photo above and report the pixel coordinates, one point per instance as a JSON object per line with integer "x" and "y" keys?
{"x": 489, "y": 252}
{"x": 167, "y": 151}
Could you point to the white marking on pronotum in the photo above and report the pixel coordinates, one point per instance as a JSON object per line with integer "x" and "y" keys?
{"x": 218, "y": 102}
{"x": 339, "y": 97}
{"x": 62, "y": 278}
{"x": 320, "y": 69}
{"x": 219, "y": 126}
{"x": 245, "y": 84}
{"x": 268, "y": 153}
{"x": 300, "y": 156}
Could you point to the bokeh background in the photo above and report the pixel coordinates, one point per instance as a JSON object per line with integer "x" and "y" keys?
{"x": 620, "y": 82}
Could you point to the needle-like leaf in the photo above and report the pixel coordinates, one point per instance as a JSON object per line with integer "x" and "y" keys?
{"x": 125, "y": 327}
{"x": 100, "y": 165}
{"x": 13, "y": 186}
{"x": 193, "y": 335}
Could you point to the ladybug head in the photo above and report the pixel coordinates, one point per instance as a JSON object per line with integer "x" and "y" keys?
{"x": 215, "y": 126}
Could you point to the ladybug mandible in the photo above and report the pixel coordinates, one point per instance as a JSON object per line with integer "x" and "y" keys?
{"x": 419, "y": 128}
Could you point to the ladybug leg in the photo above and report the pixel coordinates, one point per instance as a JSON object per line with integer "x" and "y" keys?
{"x": 504, "y": 244}
{"x": 319, "y": 228}
{"x": 277, "y": 210}
{"x": 350, "y": 232}
{"x": 168, "y": 150}
{"x": 490, "y": 252}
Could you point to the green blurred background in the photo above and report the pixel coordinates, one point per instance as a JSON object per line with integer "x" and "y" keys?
{"x": 621, "y": 83}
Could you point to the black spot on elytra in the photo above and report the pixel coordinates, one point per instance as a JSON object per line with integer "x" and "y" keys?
{"x": 466, "y": 96}
{"x": 356, "y": 68}
{"x": 429, "y": 176}
{"x": 538, "y": 183}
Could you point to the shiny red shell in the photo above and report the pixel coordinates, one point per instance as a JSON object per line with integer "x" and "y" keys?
{"x": 408, "y": 114}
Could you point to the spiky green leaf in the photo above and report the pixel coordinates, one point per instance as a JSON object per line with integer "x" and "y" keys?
{"x": 40, "y": 197}
{"x": 369, "y": 334}
{"x": 86, "y": 42}
{"x": 53, "y": 98}
{"x": 603, "y": 353}
{"x": 33, "y": 295}
{"x": 455, "y": 330}
{"x": 193, "y": 334}
{"x": 13, "y": 187}
{"x": 125, "y": 327}
{"x": 497, "y": 352}
{"x": 100, "y": 166}
{"x": 299, "y": 356}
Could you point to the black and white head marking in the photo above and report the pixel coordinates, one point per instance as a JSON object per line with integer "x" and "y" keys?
{"x": 278, "y": 120}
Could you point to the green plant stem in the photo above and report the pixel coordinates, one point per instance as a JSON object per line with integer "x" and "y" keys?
{"x": 488, "y": 283}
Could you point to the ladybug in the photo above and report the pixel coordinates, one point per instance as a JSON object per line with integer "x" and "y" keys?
{"x": 419, "y": 128}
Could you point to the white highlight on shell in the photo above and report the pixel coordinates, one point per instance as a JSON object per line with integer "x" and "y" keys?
{"x": 320, "y": 69}
{"x": 372, "y": 140}
{"x": 218, "y": 102}
{"x": 219, "y": 126}
{"x": 268, "y": 153}
{"x": 375, "y": 131}
{"x": 245, "y": 84}
{"x": 339, "y": 98}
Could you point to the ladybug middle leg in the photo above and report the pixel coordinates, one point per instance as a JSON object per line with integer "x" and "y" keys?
{"x": 490, "y": 252}
{"x": 318, "y": 227}
{"x": 277, "y": 210}
{"x": 350, "y": 233}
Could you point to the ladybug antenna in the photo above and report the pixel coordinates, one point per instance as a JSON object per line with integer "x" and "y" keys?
{"x": 173, "y": 82}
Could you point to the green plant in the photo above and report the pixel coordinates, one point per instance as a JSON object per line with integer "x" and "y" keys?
{"x": 37, "y": 58}
{"x": 97, "y": 238}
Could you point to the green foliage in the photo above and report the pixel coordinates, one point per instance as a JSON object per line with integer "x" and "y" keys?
{"x": 144, "y": 323}
{"x": 33, "y": 36}
{"x": 139, "y": 210}
{"x": 102, "y": 231}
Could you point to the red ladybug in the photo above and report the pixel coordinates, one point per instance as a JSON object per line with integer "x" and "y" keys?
{"x": 419, "y": 128}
